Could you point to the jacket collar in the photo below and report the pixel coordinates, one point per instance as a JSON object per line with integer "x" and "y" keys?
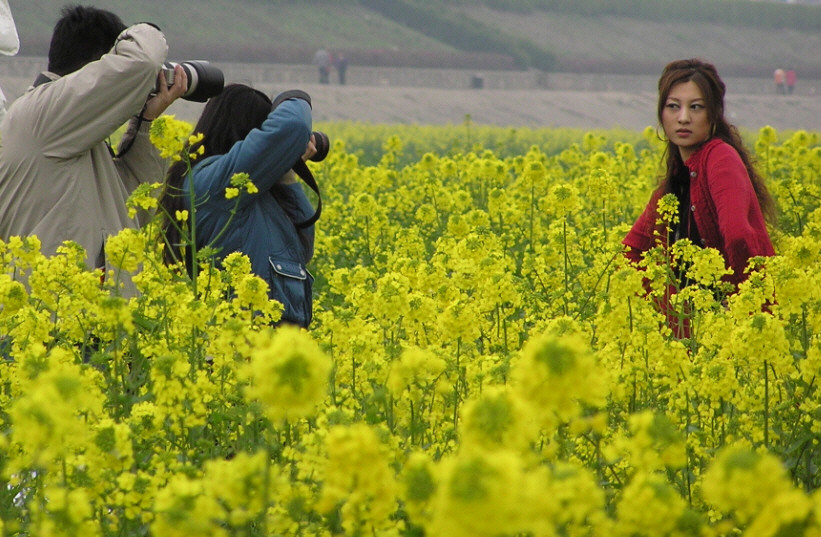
{"x": 697, "y": 158}
{"x": 44, "y": 77}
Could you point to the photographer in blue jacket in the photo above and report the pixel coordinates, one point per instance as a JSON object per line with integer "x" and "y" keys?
{"x": 243, "y": 131}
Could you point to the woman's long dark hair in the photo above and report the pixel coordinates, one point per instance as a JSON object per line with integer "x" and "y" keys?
{"x": 705, "y": 76}
{"x": 226, "y": 119}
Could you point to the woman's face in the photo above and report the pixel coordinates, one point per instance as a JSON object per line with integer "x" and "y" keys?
{"x": 684, "y": 118}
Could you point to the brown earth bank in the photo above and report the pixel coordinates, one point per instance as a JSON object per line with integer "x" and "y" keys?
{"x": 524, "y": 99}
{"x": 531, "y": 108}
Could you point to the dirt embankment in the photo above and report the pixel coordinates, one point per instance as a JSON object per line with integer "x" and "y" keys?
{"x": 392, "y": 101}
{"x": 531, "y": 108}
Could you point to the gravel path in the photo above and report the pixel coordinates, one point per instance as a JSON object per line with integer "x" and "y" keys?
{"x": 517, "y": 108}
{"x": 530, "y": 108}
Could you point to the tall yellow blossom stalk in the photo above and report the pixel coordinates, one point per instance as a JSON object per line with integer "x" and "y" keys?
{"x": 483, "y": 361}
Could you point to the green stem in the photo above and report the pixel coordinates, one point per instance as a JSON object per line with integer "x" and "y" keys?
{"x": 193, "y": 236}
{"x": 413, "y": 423}
{"x": 566, "y": 268}
{"x": 766, "y": 406}
{"x": 532, "y": 212}
{"x": 689, "y": 453}
{"x": 353, "y": 378}
{"x": 456, "y": 398}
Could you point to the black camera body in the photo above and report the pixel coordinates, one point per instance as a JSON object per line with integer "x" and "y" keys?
{"x": 204, "y": 80}
{"x": 322, "y": 144}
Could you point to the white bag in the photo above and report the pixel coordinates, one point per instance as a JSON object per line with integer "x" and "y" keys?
{"x": 2, "y": 105}
{"x": 9, "y": 42}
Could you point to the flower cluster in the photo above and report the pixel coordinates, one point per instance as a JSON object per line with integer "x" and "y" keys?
{"x": 483, "y": 360}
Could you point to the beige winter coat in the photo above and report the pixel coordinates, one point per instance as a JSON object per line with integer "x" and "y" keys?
{"x": 58, "y": 179}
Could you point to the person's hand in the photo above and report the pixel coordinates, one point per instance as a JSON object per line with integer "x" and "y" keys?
{"x": 310, "y": 150}
{"x": 157, "y": 104}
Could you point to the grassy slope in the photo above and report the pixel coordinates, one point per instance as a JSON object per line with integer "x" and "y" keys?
{"x": 261, "y": 30}
{"x": 236, "y": 27}
{"x": 580, "y": 41}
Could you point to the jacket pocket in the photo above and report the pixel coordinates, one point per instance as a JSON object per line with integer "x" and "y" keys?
{"x": 292, "y": 284}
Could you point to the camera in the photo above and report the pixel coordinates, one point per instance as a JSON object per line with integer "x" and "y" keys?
{"x": 323, "y": 145}
{"x": 321, "y": 141}
{"x": 204, "y": 80}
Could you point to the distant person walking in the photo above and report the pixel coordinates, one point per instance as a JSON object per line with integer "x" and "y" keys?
{"x": 341, "y": 64}
{"x": 791, "y": 80}
{"x": 323, "y": 60}
{"x": 779, "y": 78}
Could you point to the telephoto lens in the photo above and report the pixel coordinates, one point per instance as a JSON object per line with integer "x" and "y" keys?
{"x": 204, "y": 80}
{"x": 323, "y": 145}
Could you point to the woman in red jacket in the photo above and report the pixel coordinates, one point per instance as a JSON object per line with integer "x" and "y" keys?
{"x": 723, "y": 202}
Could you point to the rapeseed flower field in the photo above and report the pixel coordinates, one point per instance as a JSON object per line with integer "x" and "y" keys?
{"x": 483, "y": 360}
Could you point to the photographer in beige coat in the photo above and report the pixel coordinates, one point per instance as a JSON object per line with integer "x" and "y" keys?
{"x": 59, "y": 179}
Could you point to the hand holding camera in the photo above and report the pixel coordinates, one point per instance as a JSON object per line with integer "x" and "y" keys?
{"x": 319, "y": 139}
{"x": 165, "y": 92}
{"x": 204, "y": 80}
{"x": 195, "y": 80}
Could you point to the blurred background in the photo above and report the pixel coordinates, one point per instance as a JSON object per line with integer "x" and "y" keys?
{"x": 537, "y": 62}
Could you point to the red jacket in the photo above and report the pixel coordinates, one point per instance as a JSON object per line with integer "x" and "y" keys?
{"x": 724, "y": 207}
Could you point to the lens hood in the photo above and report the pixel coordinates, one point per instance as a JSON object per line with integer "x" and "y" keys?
{"x": 204, "y": 80}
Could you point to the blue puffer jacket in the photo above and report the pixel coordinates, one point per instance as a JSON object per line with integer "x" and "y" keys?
{"x": 263, "y": 227}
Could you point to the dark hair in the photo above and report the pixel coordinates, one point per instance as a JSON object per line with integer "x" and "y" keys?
{"x": 226, "y": 119}
{"x": 705, "y": 76}
{"x": 82, "y": 35}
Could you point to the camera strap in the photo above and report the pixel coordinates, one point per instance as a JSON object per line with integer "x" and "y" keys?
{"x": 40, "y": 80}
{"x": 305, "y": 174}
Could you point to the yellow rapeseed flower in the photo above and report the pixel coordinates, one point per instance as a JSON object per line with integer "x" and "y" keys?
{"x": 498, "y": 419}
{"x": 126, "y": 250}
{"x": 490, "y": 483}
{"x": 287, "y": 374}
{"x": 557, "y": 375}
{"x": 359, "y": 480}
{"x": 754, "y": 489}
{"x": 169, "y": 135}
